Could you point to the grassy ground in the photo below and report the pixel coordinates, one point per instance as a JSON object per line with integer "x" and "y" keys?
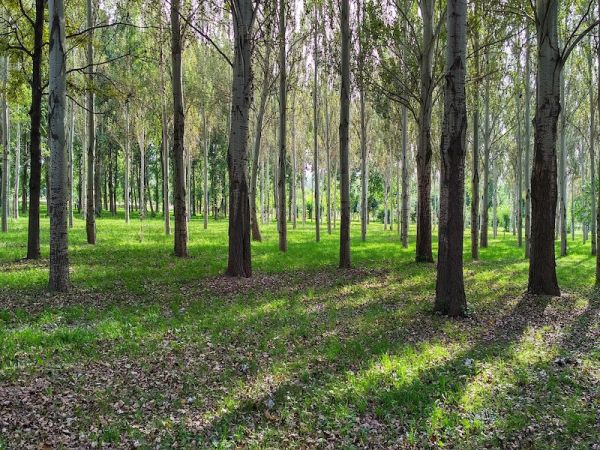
{"x": 150, "y": 350}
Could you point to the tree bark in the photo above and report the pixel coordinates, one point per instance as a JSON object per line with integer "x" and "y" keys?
{"x": 179, "y": 180}
{"x": 282, "y": 130}
{"x": 90, "y": 217}
{"x": 424, "y": 150}
{"x": 527, "y": 146}
{"x": 450, "y": 292}
{"x": 562, "y": 210}
{"x": 316, "y": 206}
{"x": 344, "y": 138}
{"x": 164, "y": 147}
{"x": 475, "y": 159}
{"x": 239, "y": 257}
{"x": 35, "y": 113}
{"x": 405, "y": 186}
{"x": 542, "y": 267}
{"x": 485, "y": 201}
{"x": 592, "y": 152}
{"x": 4, "y": 128}
{"x": 59, "y": 253}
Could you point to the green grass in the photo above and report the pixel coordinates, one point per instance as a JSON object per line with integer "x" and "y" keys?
{"x": 153, "y": 350}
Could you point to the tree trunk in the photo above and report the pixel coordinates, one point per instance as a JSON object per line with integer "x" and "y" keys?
{"x": 179, "y": 181}
{"x": 592, "y": 153}
{"x": 164, "y": 147}
{"x": 35, "y": 113}
{"x": 542, "y": 267}
{"x": 17, "y": 172}
{"x": 282, "y": 130}
{"x": 264, "y": 94}
{"x": 206, "y": 146}
{"x": 562, "y": 174}
{"x": 485, "y": 201}
{"x": 4, "y": 128}
{"x": 328, "y": 159}
{"x": 598, "y": 210}
{"x": 344, "y": 138}
{"x": 24, "y": 183}
{"x": 316, "y": 206}
{"x": 71, "y": 137}
{"x": 405, "y": 186}
{"x": 142, "y": 174}
{"x": 424, "y": 150}
{"x": 294, "y": 201}
{"x": 475, "y": 159}
{"x": 90, "y": 217}
{"x": 450, "y": 292}
{"x": 127, "y": 155}
{"x": 239, "y": 258}
{"x": 527, "y": 147}
{"x": 519, "y": 202}
{"x": 59, "y": 248}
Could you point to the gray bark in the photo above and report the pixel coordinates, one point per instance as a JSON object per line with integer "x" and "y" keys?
{"x": 345, "y": 261}
{"x": 5, "y": 146}
{"x": 59, "y": 256}
{"x": 281, "y": 200}
{"x": 90, "y": 217}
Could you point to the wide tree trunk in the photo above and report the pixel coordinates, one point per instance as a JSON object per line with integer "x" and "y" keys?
{"x": 424, "y": 150}
{"x": 450, "y": 292}
{"x": 59, "y": 248}
{"x": 239, "y": 258}
{"x": 90, "y": 217}
{"x": 542, "y": 267}
{"x": 179, "y": 180}
{"x": 35, "y": 142}
{"x": 344, "y": 136}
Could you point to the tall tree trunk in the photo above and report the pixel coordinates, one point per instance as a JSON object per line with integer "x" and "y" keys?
{"x": 294, "y": 201}
{"x": 485, "y": 201}
{"x": 179, "y": 181}
{"x": 562, "y": 181}
{"x": 35, "y": 143}
{"x": 90, "y": 217}
{"x": 142, "y": 173}
{"x": 527, "y": 122}
{"x": 282, "y": 129}
{"x": 302, "y": 189}
{"x": 206, "y": 147}
{"x": 17, "y": 172}
{"x": 24, "y": 183}
{"x": 598, "y": 210}
{"x": 164, "y": 146}
{"x": 405, "y": 186}
{"x": 70, "y": 142}
{"x": 316, "y": 206}
{"x": 592, "y": 152}
{"x": 328, "y": 159}
{"x": 239, "y": 258}
{"x": 264, "y": 94}
{"x": 59, "y": 247}
{"x": 344, "y": 138}
{"x": 475, "y": 159}
{"x": 4, "y": 128}
{"x": 519, "y": 202}
{"x": 450, "y": 292}
{"x": 127, "y": 156}
{"x": 424, "y": 150}
{"x": 542, "y": 267}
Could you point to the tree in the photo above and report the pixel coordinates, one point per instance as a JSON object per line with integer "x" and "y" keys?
{"x": 239, "y": 255}
{"x": 344, "y": 136}
{"x": 281, "y": 217}
{"x": 450, "y": 292}
{"x": 4, "y": 129}
{"x": 59, "y": 255}
{"x": 179, "y": 189}
{"x": 90, "y": 217}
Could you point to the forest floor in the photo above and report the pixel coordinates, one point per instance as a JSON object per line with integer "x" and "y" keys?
{"x": 150, "y": 351}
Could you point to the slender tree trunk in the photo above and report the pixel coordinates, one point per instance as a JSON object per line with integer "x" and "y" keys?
{"x": 302, "y": 189}
{"x": 344, "y": 138}
{"x": 164, "y": 147}
{"x": 294, "y": 201}
{"x": 542, "y": 267}
{"x": 485, "y": 201}
{"x": 562, "y": 174}
{"x": 206, "y": 147}
{"x": 24, "y": 183}
{"x": 424, "y": 150}
{"x": 494, "y": 203}
{"x": 450, "y": 292}
{"x": 328, "y": 159}
{"x": 527, "y": 122}
{"x": 475, "y": 159}
{"x": 264, "y": 94}
{"x": 70, "y": 142}
{"x": 126, "y": 195}
{"x": 364, "y": 207}
{"x": 35, "y": 145}
{"x": 5, "y": 145}
{"x": 17, "y": 172}
{"x": 592, "y": 151}
{"x": 179, "y": 191}
{"x": 239, "y": 259}
{"x": 59, "y": 247}
{"x": 598, "y": 193}
{"x": 405, "y": 186}
{"x": 519, "y": 202}
{"x": 90, "y": 217}
{"x": 282, "y": 129}
{"x": 316, "y": 206}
